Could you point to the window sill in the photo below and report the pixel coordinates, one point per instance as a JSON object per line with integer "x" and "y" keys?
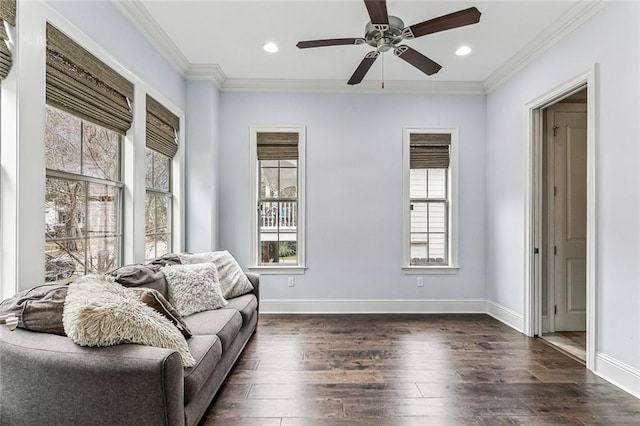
{"x": 278, "y": 270}
{"x": 430, "y": 270}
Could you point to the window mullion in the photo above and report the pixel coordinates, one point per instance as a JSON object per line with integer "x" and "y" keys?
{"x": 86, "y": 220}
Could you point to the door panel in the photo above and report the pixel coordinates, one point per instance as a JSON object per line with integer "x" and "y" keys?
{"x": 569, "y": 214}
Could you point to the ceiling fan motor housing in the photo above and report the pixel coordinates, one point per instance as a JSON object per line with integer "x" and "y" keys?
{"x": 386, "y": 39}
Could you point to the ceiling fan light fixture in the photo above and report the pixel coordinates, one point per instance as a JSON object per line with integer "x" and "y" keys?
{"x": 270, "y": 47}
{"x": 463, "y": 50}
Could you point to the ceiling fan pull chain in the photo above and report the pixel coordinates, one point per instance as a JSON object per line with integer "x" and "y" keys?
{"x": 382, "y": 82}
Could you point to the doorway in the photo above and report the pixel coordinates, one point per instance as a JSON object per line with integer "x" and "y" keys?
{"x": 564, "y": 227}
{"x": 560, "y": 245}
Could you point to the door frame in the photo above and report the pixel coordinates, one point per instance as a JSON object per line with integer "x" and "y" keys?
{"x": 532, "y": 317}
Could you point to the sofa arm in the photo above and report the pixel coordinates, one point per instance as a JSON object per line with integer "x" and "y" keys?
{"x": 255, "y": 281}
{"x": 48, "y": 379}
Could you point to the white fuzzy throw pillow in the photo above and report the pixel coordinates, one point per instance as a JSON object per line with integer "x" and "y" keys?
{"x": 233, "y": 280}
{"x": 99, "y": 312}
{"x": 193, "y": 288}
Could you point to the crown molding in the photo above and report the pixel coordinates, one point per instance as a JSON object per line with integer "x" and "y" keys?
{"x": 135, "y": 12}
{"x": 206, "y": 72}
{"x": 417, "y": 87}
{"x": 573, "y": 18}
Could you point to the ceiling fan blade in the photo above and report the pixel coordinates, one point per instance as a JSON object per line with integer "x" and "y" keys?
{"x": 378, "y": 13}
{"x": 417, "y": 59}
{"x": 329, "y": 42}
{"x": 443, "y": 23}
{"x": 363, "y": 68}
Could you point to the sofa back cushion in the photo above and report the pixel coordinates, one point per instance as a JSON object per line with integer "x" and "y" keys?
{"x": 141, "y": 276}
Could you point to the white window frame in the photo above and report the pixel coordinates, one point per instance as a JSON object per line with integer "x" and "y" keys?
{"x": 277, "y": 269}
{"x": 452, "y": 190}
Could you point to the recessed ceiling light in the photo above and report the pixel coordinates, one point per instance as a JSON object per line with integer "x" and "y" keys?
{"x": 463, "y": 50}
{"x": 271, "y": 47}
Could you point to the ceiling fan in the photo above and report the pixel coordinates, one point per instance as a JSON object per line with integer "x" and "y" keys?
{"x": 386, "y": 32}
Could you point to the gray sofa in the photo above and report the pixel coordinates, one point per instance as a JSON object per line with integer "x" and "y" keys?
{"x": 48, "y": 379}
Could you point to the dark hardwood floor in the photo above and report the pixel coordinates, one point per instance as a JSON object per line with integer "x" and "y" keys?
{"x": 410, "y": 370}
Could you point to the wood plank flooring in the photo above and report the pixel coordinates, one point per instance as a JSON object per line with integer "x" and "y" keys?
{"x": 410, "y": 370}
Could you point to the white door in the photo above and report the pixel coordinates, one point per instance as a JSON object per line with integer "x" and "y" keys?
{"x": 567, "y": 126}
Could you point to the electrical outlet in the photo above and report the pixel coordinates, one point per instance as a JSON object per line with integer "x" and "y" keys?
{"x": 291, "y": 282}
{"x": 420, "y": 281}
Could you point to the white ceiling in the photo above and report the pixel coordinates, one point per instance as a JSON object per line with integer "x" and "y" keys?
{"x": 224, "y": 40}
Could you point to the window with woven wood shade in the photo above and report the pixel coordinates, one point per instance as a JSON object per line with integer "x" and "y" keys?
{"x": 277, "y": 177}
{"x": 162, "y": 128}
{"x": 430, "y": 186}
{"x": 79, "y": 83}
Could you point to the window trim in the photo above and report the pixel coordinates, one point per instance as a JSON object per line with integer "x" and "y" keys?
{"x": 254, "y": 264}
{"x": 453, "y": 265}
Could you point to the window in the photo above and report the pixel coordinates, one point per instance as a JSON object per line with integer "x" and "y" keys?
{"x": 158, "y": 202}
{"x": 83, "y": 197}
{"x": 430, "y": 159}
{"x": 278, "y": 179}
{"x": 162, "y": 144}
{"x": 87, "y": 113}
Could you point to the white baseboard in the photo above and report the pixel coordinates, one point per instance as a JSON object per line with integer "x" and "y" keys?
{"x": 395, "y": 306}
{"x": 373, "y": 306}
{"x": 618, "y": 373}
{"x": 505, "y": 315}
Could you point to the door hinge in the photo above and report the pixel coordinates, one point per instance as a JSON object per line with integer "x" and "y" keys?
{"x": 536, "y": 250}
{"x": 555, "y": 130}
{"x": 555, "y": 191}
{"x": 411, "y": 207}
{"x": 555, "y": 309}
{"x": 555, "y": 250}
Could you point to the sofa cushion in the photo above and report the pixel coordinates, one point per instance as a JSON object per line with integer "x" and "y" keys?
{"x": 207, "y": 351}
{"x": 224, "y": 323}
{"x": 193, "y": 288}
{"x": 246, "y": 305}
{"x": 39, "y": 308}
{"x": 141, "y": 276}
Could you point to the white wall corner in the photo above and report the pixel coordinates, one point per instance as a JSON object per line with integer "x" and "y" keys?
{"x": 618, "y": 373}
{"x": 505, "y": 315}
{"x": 572, "y": 19}
{"x": 135, "y": 12}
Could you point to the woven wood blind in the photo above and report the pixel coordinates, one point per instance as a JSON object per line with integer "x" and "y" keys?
{"x": 162, "y": 128}
{"x": 8, "y": 15}
{"x": 277, "y": 146}
{"x": 429, "y": 150}
{"x": 81, "y": 84}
